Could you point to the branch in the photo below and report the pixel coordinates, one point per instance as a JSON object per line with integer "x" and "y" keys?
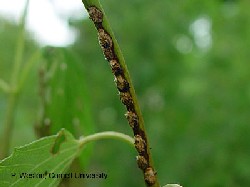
{"x": 125, "y": 87}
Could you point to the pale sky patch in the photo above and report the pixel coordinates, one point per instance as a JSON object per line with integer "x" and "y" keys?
{"x": 47, "y": 19}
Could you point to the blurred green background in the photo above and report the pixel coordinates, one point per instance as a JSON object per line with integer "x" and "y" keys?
{"x": 189, "y": 62}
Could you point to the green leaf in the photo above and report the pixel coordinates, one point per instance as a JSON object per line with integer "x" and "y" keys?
{"x": 46, "y": 161}
{"x": 66, "y": 102}
{"x": 41, "y": 158}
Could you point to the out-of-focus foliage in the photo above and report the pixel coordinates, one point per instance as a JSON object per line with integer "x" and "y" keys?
{"x": 25, "y": 115}
{"x": 64, "y": 97}
{"x": 64, "y": 81}
{"x": 189, "y": 65}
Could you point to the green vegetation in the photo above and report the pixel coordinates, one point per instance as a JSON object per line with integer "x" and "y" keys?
{"x": 47, "y": 157}
{"x": 189, "y": 65}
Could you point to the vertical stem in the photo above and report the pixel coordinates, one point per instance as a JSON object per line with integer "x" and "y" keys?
{"x": 8, "y": 124}
{"x": 20, "y": 48}
{"x": 13, "y": 93}
{"x": 113, "y": 54}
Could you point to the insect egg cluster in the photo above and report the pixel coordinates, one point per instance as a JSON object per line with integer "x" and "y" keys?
{"x": 122, "y": 84}
{"x": 149, "y": 176}
{"x": 142, "y": 162}
{"x": 106, "y": 44}
{"x": 95, "y": 14}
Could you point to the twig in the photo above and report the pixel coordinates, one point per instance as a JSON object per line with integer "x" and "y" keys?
{"x": 106, "y": 135}
{"x": 125, "y": 87}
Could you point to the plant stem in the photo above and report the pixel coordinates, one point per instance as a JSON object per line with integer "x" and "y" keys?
{"x": 20, "y": 48}
{"x": 106, "y": 135}
{"x": 8, "y": 124}
{"x": 27, "y": 67}
{"x": 125, "y": 87}
{"x": 13, "y": 93}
